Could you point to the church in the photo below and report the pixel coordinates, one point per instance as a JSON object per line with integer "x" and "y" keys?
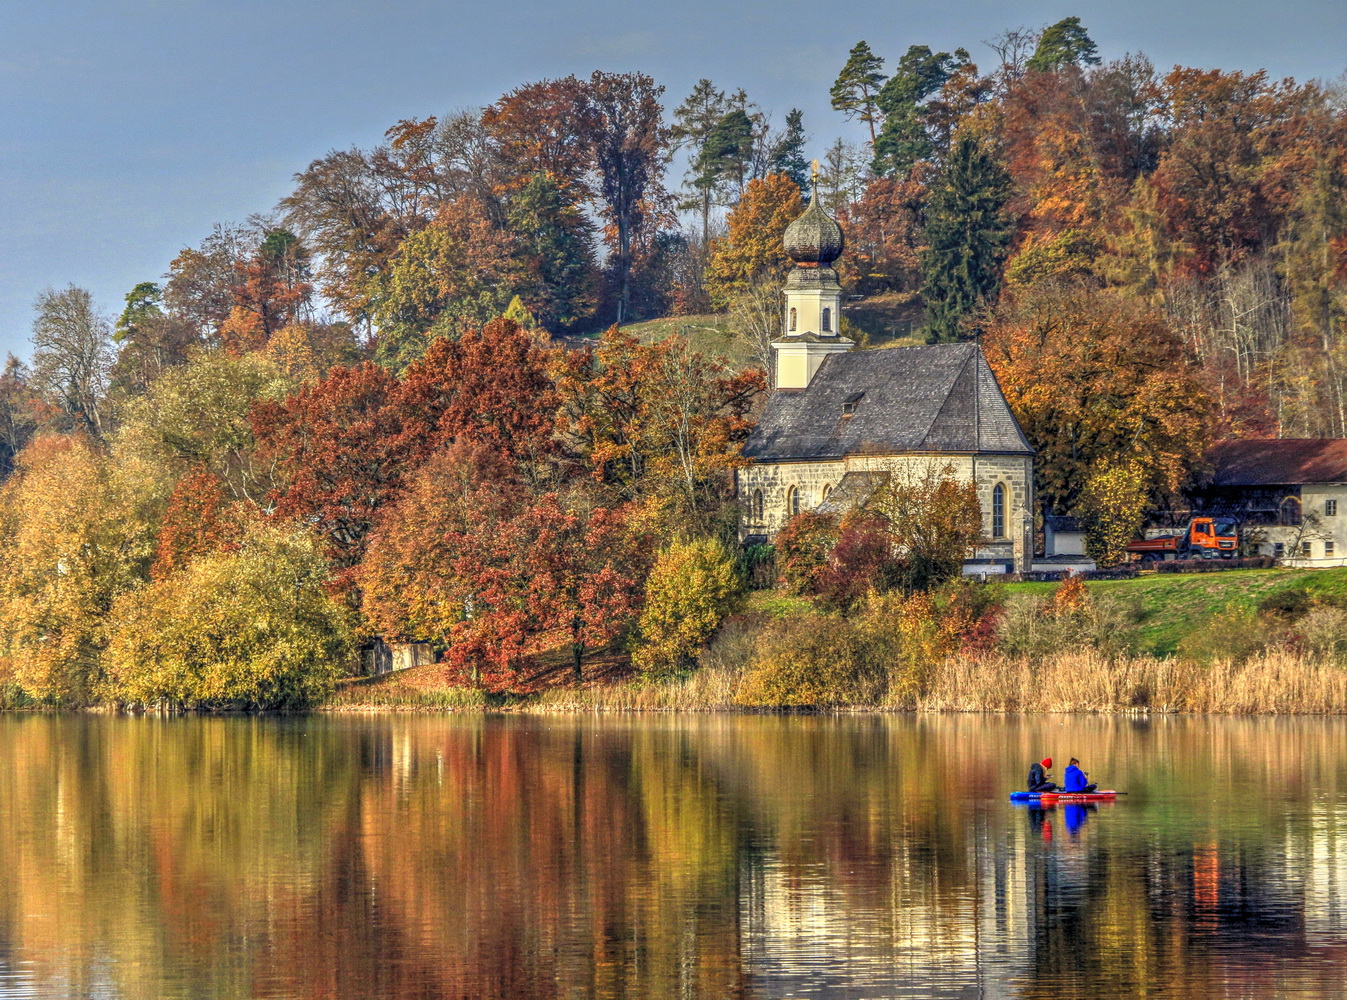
{"x": 841, "y": 422}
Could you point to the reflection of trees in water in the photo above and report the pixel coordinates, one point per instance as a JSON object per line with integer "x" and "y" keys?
{"x": 718, "y": 856}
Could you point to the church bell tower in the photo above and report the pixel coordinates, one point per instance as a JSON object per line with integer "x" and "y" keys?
{"x": 813, "y": 296}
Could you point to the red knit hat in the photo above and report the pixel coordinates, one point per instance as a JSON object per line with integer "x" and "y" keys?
{"x": 1047, "y": 762}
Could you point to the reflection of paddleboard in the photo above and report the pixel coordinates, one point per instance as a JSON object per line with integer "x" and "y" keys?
{"x": 1045, "y": 798}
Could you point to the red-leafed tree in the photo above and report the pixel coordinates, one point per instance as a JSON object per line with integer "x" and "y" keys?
{"x": 270, "y": 290}
{"x": 658, "y": 424}
{"x": 472, "y": 558}
{"x": 199, "y": 519}
{"x": 339, "y": 454}
{"x": 543, "y": 128}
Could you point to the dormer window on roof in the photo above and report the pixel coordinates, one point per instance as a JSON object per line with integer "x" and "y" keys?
{"x": 850, "y": 403}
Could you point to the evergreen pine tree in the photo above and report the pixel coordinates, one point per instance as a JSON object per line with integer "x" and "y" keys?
{"x": 788, "y": 151}
{"x": 1065, "y": 43}
{"x": 858, "y": 83}
{"x": 966, "y": 236}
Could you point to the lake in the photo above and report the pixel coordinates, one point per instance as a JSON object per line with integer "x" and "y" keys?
{"x": 668, "y": 856}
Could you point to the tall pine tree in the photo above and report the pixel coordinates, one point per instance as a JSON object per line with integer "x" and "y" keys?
{"x": 967, "y": 231}
{"x": 857, "y": 85}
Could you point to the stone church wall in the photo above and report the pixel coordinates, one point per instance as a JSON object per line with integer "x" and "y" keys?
{"x": 809, "y": 480}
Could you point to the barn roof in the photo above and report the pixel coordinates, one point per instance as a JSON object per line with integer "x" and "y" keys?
{"x": 1278, "y": 461}
{"x": 942, "y": 399}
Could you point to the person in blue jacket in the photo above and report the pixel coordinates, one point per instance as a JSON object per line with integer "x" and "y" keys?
{"x": 1074, "y": 778}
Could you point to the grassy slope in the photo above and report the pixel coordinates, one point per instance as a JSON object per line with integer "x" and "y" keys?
{"x": 1174, "y": 604}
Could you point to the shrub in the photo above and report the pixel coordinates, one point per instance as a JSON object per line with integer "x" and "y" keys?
{"x": 1322, "y": 632}
{"x": 814, "y": 660}
{"x": 246, "y": 629}
{"x": 1071, "y": 620}
{"x": 916, "y": 633}
{"x": 861, "y": 561}
{"x": 802, "y": 548}
{"x": 1233, "y": 635}
{"x": 691, "y": 589}
{"x": 1289, "y": 602}
{"x": 757, "y": 566}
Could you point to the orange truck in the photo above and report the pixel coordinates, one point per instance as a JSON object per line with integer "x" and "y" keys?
{"x": 1204, "y": 538}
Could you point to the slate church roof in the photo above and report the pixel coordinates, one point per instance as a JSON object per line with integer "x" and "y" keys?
{"x": 942, "y": 399}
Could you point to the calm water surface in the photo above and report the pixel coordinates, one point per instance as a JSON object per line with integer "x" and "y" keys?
{"x": 662, "y": 857}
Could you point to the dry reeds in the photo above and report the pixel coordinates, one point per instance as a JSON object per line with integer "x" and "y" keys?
{"x": 1278, "y": 682}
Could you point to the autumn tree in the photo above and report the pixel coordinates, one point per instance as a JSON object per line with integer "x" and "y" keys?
{"x": 270, "y": 291}
{"x": 76, "y": 530}
{"x": 544, "y": 128}
{"x": 691, "y": 589}
{"x": 1095, "y": 376}
{"x": 457, "y": 272}
{"x": 753, "y": 246}
{"x": 250, "y": 628}
{"x": 857, "y": 85}
{"x": 199, "y": 519}
{"x": 199, "y": 290}
{"x": 933, "y": 520}
{"x": 658, "y": 424}
{"x": 196, "y": 415}
{"x": 72, "y": 355}
{"x": 471, "y": 558}
{"x": 884, "y": 235}
{"x": 967, "y": 232}
{"x": 1113, "y": 506}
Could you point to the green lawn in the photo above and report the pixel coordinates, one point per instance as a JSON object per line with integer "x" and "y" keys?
{"x": 1175, "y": 604}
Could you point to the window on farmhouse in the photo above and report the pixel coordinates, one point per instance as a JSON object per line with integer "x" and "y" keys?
{"x": 1278, "y": 550}
{"x": 1289, "y": 512}
{"x": 1305, "y": 548}
{"x": 999, "y": 511}
{"x": 1328, "y": 548}
{"x": 1330, "y": 508}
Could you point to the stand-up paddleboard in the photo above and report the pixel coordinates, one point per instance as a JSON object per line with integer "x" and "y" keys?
{"x": 1103, "y": 795}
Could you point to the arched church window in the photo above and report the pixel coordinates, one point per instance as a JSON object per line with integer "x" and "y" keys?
{"x": 755, "y": 506}
{"x": 1288, "y": 513}
{"x": 792, "y": 501}
{"x": 999, "y": 511}
{"x": 827, "y": 488}
{"x": 827, "y": 323}
{"x": 792, "y": 319}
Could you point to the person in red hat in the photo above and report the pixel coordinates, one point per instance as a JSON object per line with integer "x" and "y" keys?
{"x": 1039, "y": 774}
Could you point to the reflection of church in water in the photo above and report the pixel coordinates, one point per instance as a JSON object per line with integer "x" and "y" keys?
{"x": 841, "y": 423}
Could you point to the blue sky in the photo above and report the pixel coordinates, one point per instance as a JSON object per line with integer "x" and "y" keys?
{"x": 129, "y": 127}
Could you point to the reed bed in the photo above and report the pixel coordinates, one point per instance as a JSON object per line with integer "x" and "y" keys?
{"x": 1279, "y": 682}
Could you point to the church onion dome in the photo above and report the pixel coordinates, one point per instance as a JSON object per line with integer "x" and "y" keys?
{"x": 815, "y": 238}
